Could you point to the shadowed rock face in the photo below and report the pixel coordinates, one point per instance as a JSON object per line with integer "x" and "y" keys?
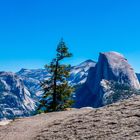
{"x": 111, "y": 66}
{"x": 138, "y": 76}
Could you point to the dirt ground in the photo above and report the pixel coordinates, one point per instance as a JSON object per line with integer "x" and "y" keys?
{"x": 120, "y": 121}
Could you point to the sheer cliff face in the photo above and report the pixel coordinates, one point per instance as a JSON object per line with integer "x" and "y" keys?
{"x": 117, "y": 68}
{"x": 15, "y": 98}
{"x": 111, "y": 66}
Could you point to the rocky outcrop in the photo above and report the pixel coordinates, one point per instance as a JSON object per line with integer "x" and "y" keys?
{"x": 119, "y": 121}
{"x": 111, "y": 66}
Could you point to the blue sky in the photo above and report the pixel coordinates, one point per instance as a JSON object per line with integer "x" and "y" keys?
{"x": 31, "y": 29}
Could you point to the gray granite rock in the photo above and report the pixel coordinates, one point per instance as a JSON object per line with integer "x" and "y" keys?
{"x": 111, "y": 66}
{"x": 15, "y": 98}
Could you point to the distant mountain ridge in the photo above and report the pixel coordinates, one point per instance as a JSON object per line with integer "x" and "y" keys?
{"x": 20, "y": 92}
{"x": 32, "y": 78}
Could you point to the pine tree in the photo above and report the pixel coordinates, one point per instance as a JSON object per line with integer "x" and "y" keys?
{"x": 57, "y": 92}
{"x": 116, "y": 91}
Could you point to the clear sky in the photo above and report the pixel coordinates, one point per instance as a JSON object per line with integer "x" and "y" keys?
{"x": 31, "y": 29}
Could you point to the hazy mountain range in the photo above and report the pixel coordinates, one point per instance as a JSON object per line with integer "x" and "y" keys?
{"x": 20, "y": 92}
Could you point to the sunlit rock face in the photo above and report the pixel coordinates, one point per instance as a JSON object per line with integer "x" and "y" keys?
{"x": 15, "y": 98}
{"x": 111, "y": 66}
{"x": 79, "y": 73}
{"x": 33, "y": 77}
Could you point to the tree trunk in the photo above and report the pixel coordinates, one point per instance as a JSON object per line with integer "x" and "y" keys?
{"x": 55, "y": 86}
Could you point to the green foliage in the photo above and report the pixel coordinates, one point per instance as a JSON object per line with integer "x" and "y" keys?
{"x": 57, "y": 92}
{"x": 118, "y": 91}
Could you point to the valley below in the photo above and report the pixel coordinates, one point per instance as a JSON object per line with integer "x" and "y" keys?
{"x": 116, "y": 121}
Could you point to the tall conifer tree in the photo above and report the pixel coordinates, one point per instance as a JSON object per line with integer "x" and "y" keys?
{"x": 57, "y": 92}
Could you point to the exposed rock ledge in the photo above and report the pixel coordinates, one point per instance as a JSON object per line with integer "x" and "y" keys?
{"x": 120, "y": 121}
